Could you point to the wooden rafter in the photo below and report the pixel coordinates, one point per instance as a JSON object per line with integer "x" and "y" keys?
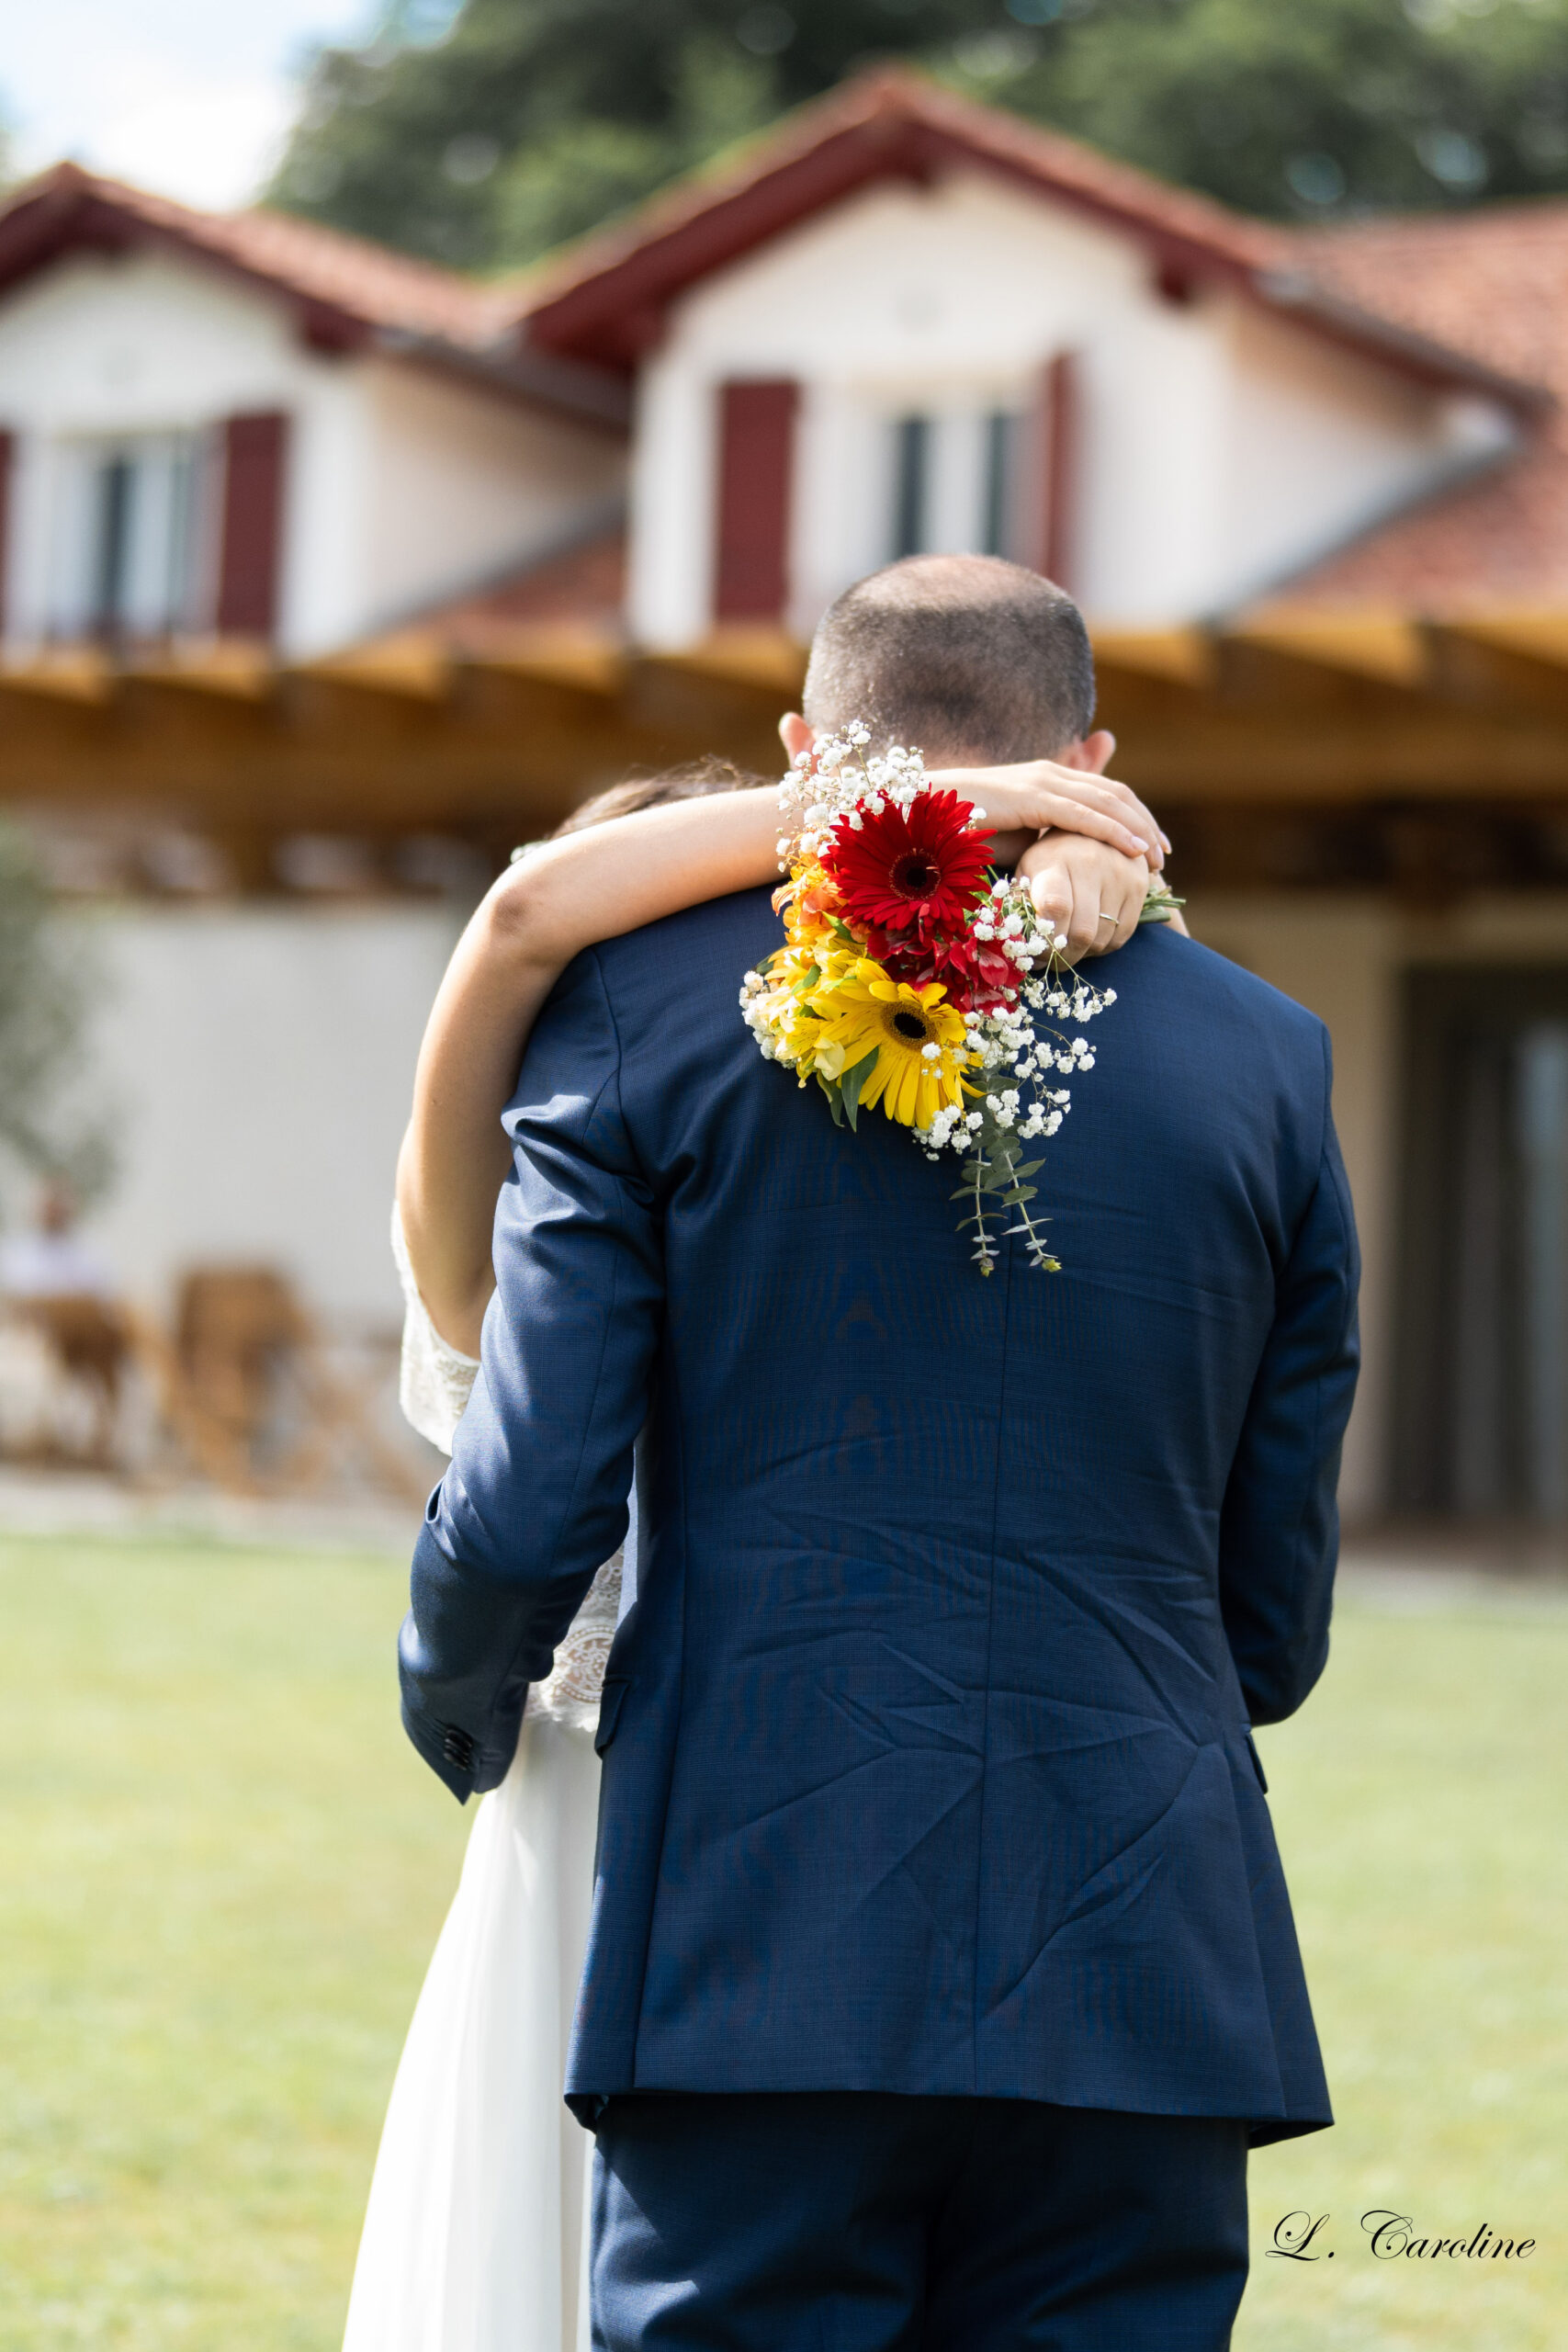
{"x": 496, "y": 741}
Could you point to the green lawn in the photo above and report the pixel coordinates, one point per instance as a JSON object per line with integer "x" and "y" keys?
{"x": 1420, "y": 1801}
{"x": 221, "y": 1871}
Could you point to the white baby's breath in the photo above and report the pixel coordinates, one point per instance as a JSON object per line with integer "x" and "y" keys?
{"x": 842, "y": 782}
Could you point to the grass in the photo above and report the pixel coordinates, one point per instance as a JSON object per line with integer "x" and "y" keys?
{"x": 221, "y": 1871}
{"x": 1420, "y": 1800}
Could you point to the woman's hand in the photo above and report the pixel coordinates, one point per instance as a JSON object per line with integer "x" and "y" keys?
{"x": 1037, "y": 795}
{"x": 1092, "y": 893}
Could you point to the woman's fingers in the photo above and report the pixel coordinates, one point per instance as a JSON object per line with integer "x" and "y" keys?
{"x": 1061, "y": 900}
{"x": 1038, "y": 795}
{"x": 1121, "y": 905}
{"x": 1092, "y": 896}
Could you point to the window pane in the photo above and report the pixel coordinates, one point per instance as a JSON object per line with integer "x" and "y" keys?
{"x": 112, "y": 518}
{"x": 911, "y": 472}
{"x": 126, "y": 533}
{"x": 1000, "y": 437}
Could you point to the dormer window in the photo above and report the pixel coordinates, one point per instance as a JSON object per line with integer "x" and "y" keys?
{"x": 953, "y": 489}
{"x": 131, "y": 530}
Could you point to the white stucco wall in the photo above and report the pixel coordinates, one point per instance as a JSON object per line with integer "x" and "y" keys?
{"x": 401, "y": 488}
{"x": 461, "y": 487}
{"x": 1219, "y": 444}
{"x": 255, "y": 1065}
{"x": 1319, "y": 445}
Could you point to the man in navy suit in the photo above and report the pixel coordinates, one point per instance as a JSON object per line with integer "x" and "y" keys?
{"x": 941, "y": 1970}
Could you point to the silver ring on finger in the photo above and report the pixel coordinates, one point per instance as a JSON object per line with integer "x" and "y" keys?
{"x": 1104, "y": 918}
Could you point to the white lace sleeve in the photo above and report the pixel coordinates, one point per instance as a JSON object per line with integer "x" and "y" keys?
{"x": 434, "y": 1381}
{"x": 433, "y": 1385}
{"x": 577, "y": 1680}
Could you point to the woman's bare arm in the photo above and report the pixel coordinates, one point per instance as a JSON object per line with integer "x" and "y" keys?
{"x": 595, "y": 884}
{"x": 590, "y": 886}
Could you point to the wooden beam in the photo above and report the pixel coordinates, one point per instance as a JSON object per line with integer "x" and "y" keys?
{"x": 1428, "y": 853}
{"x": 1541, "y": 635}
{"x": 81, "y": 673}
{"x": 1265, "y": 755}
{"x": 234, "y": 669}
{"x": 766, "y": 659}
{"x": 412, "y": 667}
{"x": 1182, "y": 657}
{"x": 499, "y": 741}
{"x": 580, "y": 658}
{"x": 1387, "y": 647}
{"x": 1489, "y": 668}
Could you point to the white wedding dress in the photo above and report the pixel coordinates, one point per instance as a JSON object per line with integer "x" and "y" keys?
{"x": 475, "y": 2237}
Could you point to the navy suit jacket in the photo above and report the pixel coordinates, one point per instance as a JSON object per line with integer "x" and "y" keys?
{"x": 927, "y": 1762}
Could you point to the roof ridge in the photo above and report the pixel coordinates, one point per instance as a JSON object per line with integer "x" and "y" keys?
{"x": 68, "y": 172}
{"x": 305, "y": 257}
{"x": 887, "y": 90}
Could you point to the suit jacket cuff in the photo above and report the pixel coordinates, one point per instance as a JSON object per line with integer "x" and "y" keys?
{"x": 448, "y": 1750}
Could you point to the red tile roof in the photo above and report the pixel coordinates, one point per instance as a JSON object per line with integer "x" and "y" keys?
{"x": 339, "y": 281}
{"x": 1493, "y": 283}
{"x": 604, "y": 299}
{"x": 582, "y": 587}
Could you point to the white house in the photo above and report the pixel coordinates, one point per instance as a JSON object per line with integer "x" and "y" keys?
{"x": 241, "y": 456}
{"x": 241, "y": 427}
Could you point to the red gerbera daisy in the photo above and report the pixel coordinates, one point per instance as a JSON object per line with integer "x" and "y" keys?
{"x": 909, "y": 869}
{"x": 975, "y": 973}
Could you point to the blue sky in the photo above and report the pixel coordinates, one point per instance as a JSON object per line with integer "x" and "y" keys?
{"x": 188, "y": 96}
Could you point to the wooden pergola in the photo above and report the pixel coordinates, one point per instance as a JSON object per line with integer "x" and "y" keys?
{"x": 1290, "y": 748}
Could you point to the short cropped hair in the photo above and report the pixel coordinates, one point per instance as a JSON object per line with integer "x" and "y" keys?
{"x": 956, "y": 655}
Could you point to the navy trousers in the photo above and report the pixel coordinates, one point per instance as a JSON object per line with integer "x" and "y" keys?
{"x": 859, "y": 2221}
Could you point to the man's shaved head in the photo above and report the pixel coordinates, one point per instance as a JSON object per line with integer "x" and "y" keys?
{"x": 971, "y": 658}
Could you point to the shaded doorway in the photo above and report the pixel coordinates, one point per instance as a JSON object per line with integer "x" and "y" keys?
{"x": 1481, "y": 1404}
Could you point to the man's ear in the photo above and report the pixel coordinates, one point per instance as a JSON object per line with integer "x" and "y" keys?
{"x": 796, "y": 737}
{"x": 1093, "y": 754}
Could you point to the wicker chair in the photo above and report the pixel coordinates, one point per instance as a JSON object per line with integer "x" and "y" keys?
{"x": 251, "y": 1398}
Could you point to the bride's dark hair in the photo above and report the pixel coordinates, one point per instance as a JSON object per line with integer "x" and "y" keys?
{"x": 697, "y": 780}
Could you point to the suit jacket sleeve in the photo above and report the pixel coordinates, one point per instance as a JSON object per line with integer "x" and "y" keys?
{"x": 535, "y": 1497}
{"x": 1279, "y": 1527}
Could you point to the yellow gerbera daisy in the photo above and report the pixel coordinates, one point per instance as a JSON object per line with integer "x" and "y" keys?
{"x": 919, "y": 1042}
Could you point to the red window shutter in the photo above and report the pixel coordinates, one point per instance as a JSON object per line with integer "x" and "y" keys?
{"x": 255, "y": 451}
{"x": 756, "y": 472}
{"x": 7, "y": 454}
{"x": 1058, "y": 441}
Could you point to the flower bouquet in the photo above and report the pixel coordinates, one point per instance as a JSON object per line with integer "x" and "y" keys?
{"x": 913, "y": 977}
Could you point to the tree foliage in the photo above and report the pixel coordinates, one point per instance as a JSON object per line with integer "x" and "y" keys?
{"x": 481, "y": 134}
{"x": 1312, "y": 106}
{"x": 45, "y": 1127}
